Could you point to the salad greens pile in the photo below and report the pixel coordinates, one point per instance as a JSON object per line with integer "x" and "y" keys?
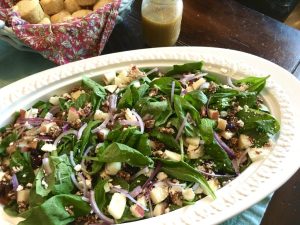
{"x": 139, "y": 143}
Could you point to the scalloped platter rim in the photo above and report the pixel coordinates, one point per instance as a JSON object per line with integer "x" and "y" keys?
{"x": 259, "y": 180}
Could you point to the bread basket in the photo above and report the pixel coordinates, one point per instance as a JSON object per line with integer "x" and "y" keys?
{"x": 62, "y": 42}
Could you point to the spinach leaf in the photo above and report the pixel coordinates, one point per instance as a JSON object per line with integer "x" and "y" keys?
{"x": 259, "y": 121}
{"x": 100, "y": 195}
{"x": 44, "y": 183}
{"x": 139, "y": 181}
{"x": 43, "y": 107}
{"x": 255, "y": 84}
{"x": 182, "y": 107}
{"x": 160, "y": 109}
{"x": 87, "y": 136}
{"x": 167, "y": 139}
{"x": 81, "y": 100}
{"x": 197, "y": 98}
{"x": 213, "y": 77}
{"x": 222, "y": 99}
{"x": 26, "y": 174}
{"x": 117, "y": 152}
{"x": 183, "y": 171}
{"x": 132, "y": 95}
{"x": 118, "y": 181}
{"x": 164, "y": 84}
{"x": 34, "y": 198}
{"x": 53, "y": 212}
{"x": 6, "y": 141}
{"x": 219, "y": 157}
{"x": 97, "y": 88}
{"x": 185, "y": 68}
{"x": 67, "y": 144}
{"x": 206, "y": 130}
{"x": 247, "y": 98}
{"x": 11, "y": 208}
{"x": 131, "y": 137}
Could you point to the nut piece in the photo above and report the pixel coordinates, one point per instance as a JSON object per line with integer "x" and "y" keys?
{"x": 81, "y": 13}
{"x": 86, "y": 2}
{"x": 30, "y": 11}
{"x": 71, "y": 6}
{"x": 52, "y": 7}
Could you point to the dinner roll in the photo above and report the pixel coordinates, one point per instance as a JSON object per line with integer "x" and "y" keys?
{"x": 31, "y": 11}
{"x": 86, "y": 2}
{"x": 81, "y": 13}
{"x": 101, "y": 3}
{"x": 52, "y": 7}
{"x": 71, "y": 6}
{"x": 45, "y": 20}
{"x": 60, "y": 17}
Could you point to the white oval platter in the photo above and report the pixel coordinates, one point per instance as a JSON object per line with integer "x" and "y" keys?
{"x": 260, "y": 179}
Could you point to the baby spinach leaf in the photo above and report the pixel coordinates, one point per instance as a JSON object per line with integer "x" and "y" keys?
{"x": 219, "y": 157}
{"x": 183, "y": 171}
{"x": 97, "y": 88}
{"x": 182, "y": 107}
{"x": 167, "y": 139}
{"x": 132, "y": 95}
{"x": 44, "y": 183}
{"x": 81, "y": 100}
{"x": 222, "y": 99}
{"x": 131, "y": 137}
{"x": 186, "y": 68}
{"x": 255, "y": 84}
{"x": 206, "y": 130}
{"x": 53, "y": 212}
{"x": 118, "y": 181}
{"x": 197, "y": 98}
{"x": 164, "y": 84}
{"x": 87, "y": 135}
{"x": 100, "y": 195}
{"x": 34, "y": 198}
{"x": 117, "y": 152}
{"x": 43, "y": 107}
{"x": 139, "y": 181}
{"x": 213, "y": 77}
{"x": 11, "y": 208}
{"x": 247, "y": 98}
{"x": 126, "y": 100}
{"x": 6, "y": 141}
{"x": 259, "y": 121}
{"x": 26, "y": 174}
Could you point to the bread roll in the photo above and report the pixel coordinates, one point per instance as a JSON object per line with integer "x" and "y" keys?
{"x": 45, "y": 20}
{"x": 101, "y": 3}
{"x": 31, "y": 11}
{"x": 52, "y": 7}
{"x": 60, "y": 17}
{"x": 86, "y": 2}
{"x": 71, "y": 6}
{"x": 81, "y": 13}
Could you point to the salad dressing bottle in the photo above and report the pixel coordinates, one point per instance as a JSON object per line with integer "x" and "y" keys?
{"x": 161, "y": 20}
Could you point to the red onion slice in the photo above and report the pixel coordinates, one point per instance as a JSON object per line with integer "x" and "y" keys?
{"x": 46, "y": 166}
{"x": 129, "y": 123}
{"x": 80, "y": 131}
{"x": 103, "y": 125}
{"x": 82, "y": 163}
{"x": 140, "y": 120}
{"x": 72, "y": 159}
{"x": 14, "y": 181}
{"x": 182, "y": 126}
{"x": 113, "y": 103}
{"x": 75, "y": 182}
{"x": 216, "y": 175}
{"x": 136, "y": 191}
{"x": 129, "y": 197}
{"x": 223, "y": 145}
{"x": 57, "y": 140}
{"x": 172, "y": 92}
{"x": 230, "y": 83}
{"x": 98, "y": 211}
{"x": 153, "y": 174}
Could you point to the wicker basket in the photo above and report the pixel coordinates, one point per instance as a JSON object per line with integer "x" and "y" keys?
{"x": 8, "y": 35}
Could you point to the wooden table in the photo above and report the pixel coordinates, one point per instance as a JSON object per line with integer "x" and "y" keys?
{"x": 228, "y": 24}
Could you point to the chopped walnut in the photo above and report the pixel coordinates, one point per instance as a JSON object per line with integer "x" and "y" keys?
{"x": 124, "y": 175}
{"x": 86, "y": 110}
{"x": 176, "y": 198}
{"x": 54, "y": 131}
{"x": 153, "y": 92}
{"x": 167, "y": 130}
{"x": 149, "y": 124}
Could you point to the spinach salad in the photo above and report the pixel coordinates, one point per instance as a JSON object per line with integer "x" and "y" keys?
{"x": 138, "y": 144}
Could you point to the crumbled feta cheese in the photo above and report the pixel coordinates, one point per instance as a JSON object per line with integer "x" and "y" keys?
{"x": 188, "y": 194}
{"x": 17, "y": 169}
{"x": 113, "y": 168}
{"x": 159, "y": 209}
{"x": 29, "y": 185}
{"x": 44, "y": 184}
{"x": 172, "y": 155}
{"x": 31, "y": 113}
{"x": 159, "y": 194}
{"x": 227, "y": 134}
{"x": 161, "y": 176}
{"x": 48, "y": 148}
{"x": 19, "y": 188}
{"x": 99, "y": 115}
{"x": 240, "y": 123}
{"x": 136, "y": 84}
{"x": 54, "y": 100}
{"x": 223, "y": 114}
{"x": 77, "y": 167}
{"x": 117, "y": 205}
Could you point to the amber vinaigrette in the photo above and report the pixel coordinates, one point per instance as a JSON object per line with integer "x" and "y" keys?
{"x": 161, "y": 20}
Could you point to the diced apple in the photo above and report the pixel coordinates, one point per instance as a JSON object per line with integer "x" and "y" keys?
{"x": 197, "y": 84}
{"x": 227, "y": 134}
{"x": 99, "y": 115}
{"x": 244, "y": 142}
{"x": 73, "y": 115}
{"x": 54, "y": 100}
{"x": 113, "y": 168}
{"x": 159, "y": 209}
{"x": 109, "y": 77}
{"x": 117, "y": 205}
{"x": 76, "y": 94}
{"x": 137, "y": 211}
{"x": 213, "y": 114}
{"x": 222, "y": 124}
{"x": 172, "y": 155}
{"x": 188, "y": 194}
{"x": 195, "y": 152}
{"x": 161, "y": 176}
{"x": 256, "y": 154}
{"x": 111, "y": 88}
{"x": 193, "y": 141}
{"x": 159, "y": 194}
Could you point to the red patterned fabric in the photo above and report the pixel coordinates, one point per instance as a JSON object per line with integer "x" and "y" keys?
{"x": 65, "y": 42}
